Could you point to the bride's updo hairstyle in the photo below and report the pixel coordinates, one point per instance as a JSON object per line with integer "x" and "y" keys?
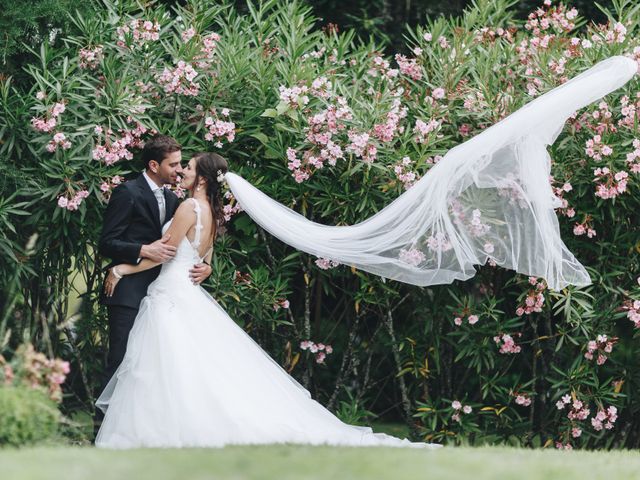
{"x": 209, "y": 166}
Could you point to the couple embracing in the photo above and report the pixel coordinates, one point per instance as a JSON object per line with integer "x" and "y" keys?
{"x": 180, "y": 372}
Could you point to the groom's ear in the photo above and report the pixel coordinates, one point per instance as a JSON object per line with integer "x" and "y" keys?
{"x": 153, "y": 166}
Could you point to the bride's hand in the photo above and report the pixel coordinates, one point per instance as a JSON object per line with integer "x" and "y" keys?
{"x": 113, "y": 277}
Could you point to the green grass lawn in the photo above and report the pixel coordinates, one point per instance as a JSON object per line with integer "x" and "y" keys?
{"x": 328, "y": 463}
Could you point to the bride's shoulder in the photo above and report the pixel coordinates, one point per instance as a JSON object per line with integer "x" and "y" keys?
{"x": 186, "y": 209}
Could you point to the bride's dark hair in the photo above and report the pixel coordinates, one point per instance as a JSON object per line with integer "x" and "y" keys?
{"x": 208, "y": 166}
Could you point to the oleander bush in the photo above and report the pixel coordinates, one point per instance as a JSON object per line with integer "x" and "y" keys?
{"x": 331, "y": 126}
{"x": 30, "y": 390}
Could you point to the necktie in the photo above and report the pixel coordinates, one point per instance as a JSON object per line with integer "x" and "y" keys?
{"x": 159, "y": 193}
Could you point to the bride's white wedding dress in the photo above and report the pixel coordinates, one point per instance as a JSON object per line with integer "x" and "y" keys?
{"x": 191, "y": 377}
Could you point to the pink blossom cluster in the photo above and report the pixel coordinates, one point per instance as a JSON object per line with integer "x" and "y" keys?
{"x": 320, "y": 132}
{"x": 218, "y": 129}
{"x": 380, "y": 66}
{"x": 506, "y": 343}
{"x": 385, "y": 132}
{"x": 50, "y": 121}
{"x": 578, "y": 410}
{"x": 564, "y": 207}
{"x": 628, "y": 112}
{"x": 300, "y": 172}
{"x": 412, "y": 256}
{"x": 139, "y": 30}
{"x": 459, "y": 410}
{"x": 295, "y": 96}
{"x": 609, "y": 184}
{"x": 117, "y": 147}
{"x": 231, "y": 208}
{"x": 90, "y": 57}
{"x": 34, "y": 370}
{"x": 471, "y": 319}
{"x": 361, "y": 147}
{"x": 180, "y": 80}
{"x": 423, "y": 129}
{"x": 107, "y": 185}
{"x": 596, "y": 149}
{"x": 564, "y": 446}
{"x": 409, "y": 67}
{"x": 188, "y": 34}
{"x": 602, "y": 346}
{"x": 320, "y": 87}
{"x": 442, "y": 40}
{"x": 633, "y": 311}
{"x": 476, "y": 227}
{"x": 604, "y": 118}
{"x": 557, "y": 19}
{"x": 605, "y": 418}
{"x": 486, "y": 34}
{"x": 319, "y": 349}
{"x": 439, "y": 242}
{"x": 406, "y": 176}
{"x": 58, "y": 140}
{"x": 474, "y": 101}
{"x": 326, "y": 263}
{"x": 534, "y": 300}
{"x": 522, "y": 399}
{"x": 610, "y": 33}
{"x": 633, "y": 158}
{"x": 72, "y": 202}
{"x": 584, "y": 227}
{"x": 281, "y": 303}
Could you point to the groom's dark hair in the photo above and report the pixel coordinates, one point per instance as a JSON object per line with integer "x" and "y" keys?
{"x": 157, "y": 148}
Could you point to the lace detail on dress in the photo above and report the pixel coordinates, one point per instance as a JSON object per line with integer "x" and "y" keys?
{"x": 198, "y": 227}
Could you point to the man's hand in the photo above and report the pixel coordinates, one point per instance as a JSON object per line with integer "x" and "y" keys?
{"x": 159, "y": 251}
{"x": 199, "y": 273}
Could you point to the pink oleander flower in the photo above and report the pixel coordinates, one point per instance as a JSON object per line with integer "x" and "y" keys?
{"x": 180, "y": 80}
{"x": 632, "y": 308}
{"x": 438, "y": 93}
{"x": 188, "y": 34}
{"x": 507, "y": 344}
{"x": 473, "y": 319}
{"x": 90, "y": 57}
{"x": 412, "y": 256}
{"x": 608, "y": 184}
{"x": 423, "y": 129}
{"x": 409, "y": 67}
{"x": 218, "y": 130}
{"x": 326, "y": 263}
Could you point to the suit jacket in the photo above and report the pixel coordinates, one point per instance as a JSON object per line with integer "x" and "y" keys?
{"x": 132, "y": 219}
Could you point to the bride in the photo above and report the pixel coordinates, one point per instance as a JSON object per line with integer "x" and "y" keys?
{"x": 191, "y": 377}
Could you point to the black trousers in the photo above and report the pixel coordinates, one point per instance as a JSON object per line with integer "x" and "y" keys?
{"x": 120, "y": 322}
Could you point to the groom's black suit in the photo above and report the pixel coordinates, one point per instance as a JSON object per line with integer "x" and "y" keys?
{"x": 132, "y": 219}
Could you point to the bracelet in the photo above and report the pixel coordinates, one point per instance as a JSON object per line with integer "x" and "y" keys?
{"x": 115, "y": 273}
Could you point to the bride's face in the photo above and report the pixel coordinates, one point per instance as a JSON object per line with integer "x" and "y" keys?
{"x": 189, "y": 175}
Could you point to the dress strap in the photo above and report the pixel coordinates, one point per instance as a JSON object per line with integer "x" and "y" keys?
{"x": 198, "y": 227}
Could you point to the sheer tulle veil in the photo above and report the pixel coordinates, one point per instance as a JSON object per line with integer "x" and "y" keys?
{"x": 488, "y": 199}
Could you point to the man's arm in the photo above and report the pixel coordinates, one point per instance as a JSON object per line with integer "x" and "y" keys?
{"x": 117, "y": 219}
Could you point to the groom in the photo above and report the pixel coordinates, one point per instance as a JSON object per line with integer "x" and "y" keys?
{"x": 132, "y": 230}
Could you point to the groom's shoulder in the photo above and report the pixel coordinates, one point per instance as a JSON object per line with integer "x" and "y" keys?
{"x": 132, "y": 185}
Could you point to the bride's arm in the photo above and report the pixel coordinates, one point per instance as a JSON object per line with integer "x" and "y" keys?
{"x": 183, "y": 220}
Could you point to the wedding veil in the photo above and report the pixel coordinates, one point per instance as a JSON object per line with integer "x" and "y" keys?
{"x": 488, "y": 199}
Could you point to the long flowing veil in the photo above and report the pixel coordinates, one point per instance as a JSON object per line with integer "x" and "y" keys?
{"x": 488, "y": 199}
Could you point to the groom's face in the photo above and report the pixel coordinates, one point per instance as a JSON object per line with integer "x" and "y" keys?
{"x": 170, "y": 168}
